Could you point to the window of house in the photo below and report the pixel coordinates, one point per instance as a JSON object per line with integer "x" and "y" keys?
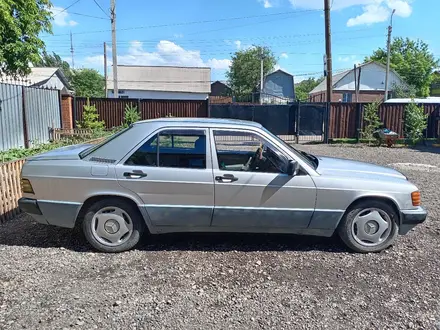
{"x": 123, "y": 96}
{"x": 243, "y": 151}
{"x": 346, "y": 97}
{"x": 172, "y": 148}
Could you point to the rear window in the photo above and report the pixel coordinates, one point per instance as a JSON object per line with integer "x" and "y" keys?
{"x": 88, "y": 151}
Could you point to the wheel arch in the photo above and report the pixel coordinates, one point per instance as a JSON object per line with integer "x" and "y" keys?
{"x": 386, "y": 199}
{"x": 98, "y": 197}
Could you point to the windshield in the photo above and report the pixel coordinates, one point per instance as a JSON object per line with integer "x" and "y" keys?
{"x": 88, "y": 151}
{"x": 311, "y": 160}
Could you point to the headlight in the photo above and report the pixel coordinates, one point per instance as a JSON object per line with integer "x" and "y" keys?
{"x": 26, "y": 186}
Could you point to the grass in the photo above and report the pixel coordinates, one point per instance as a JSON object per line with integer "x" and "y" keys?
{"x": 365, "y": 141}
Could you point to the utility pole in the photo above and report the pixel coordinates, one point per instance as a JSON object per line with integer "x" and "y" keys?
{"x": 114, "y": 55}
{"x": 328, "y": 50}
{"x": 71, "y": 50}
{"x": 390, "y": 29}
{"x": 261, "y": 75}
{"x": 105, "y": 67}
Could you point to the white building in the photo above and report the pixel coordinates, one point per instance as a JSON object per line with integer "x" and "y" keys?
{"x": 162, "y": 82}
{"x": 45, "y": 77}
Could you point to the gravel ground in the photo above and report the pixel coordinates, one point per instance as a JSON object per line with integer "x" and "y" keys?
{"x": 50, "y": 279}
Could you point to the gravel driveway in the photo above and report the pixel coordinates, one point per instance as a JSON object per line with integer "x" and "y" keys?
{"x": 50, "y": 279}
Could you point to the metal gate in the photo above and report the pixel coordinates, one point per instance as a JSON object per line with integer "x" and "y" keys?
{"x": 295, "y": 122}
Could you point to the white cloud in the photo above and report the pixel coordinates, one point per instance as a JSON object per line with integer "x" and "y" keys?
{"x": 61, "y": 17}
{"x": 284, "y": 55}
{"x": 373, "y": 11}
{"x": 237, "y": 44}
{"x": 347, "y": 58}
{"x": 178, "y": 35}
{"x": 165, "y": 53}
{"x": 266, "y": 3}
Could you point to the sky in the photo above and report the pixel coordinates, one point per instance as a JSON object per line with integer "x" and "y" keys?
{"x": 208, "y": 32}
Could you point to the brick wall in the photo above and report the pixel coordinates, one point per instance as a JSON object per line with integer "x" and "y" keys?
{"x": 66, "y": 111}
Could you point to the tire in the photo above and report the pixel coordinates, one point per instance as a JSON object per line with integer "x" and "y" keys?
{"x": 360, "y": 231}
{"x": 113, "y": 225}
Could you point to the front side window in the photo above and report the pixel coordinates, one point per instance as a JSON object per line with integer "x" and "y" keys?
{"x": 246, "y": 151}
{"x": 172, "y": 148}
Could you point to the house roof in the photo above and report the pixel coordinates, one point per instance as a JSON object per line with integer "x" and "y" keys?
{"x": 279, "y": 70}
{"x": 163, "y": 78}
{"x": 322, "y": 87}
{"x": 223, "y": 82}
{"x": 39, "y": 76}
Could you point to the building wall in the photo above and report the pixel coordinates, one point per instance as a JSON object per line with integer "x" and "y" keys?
{"x": 279, "y": 84}
{"x": 220, "y": 89}
{"x": 137, "y": 94}
{"x": 372, "y": 79}
{"x": 338, "y": 96}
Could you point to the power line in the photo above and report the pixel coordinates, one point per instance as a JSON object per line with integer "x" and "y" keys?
{"x": 85, "y": 15}
{"x": 96, "y": 2}
{"x": 191, "y": 22}
{"x": 62, "y": 11}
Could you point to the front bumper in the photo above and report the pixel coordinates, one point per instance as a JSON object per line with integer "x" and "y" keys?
{"x": 411, "y": 218}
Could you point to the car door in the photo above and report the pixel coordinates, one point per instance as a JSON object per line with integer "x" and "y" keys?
{"x": 257, "y": 195}
{"x": 171, "y": 172}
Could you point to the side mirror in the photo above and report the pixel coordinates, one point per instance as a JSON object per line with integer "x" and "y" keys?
{"x": 293, "y": 168}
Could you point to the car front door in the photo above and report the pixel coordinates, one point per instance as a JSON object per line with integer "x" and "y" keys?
{"x": 251, "y": 187}
{"x": 172, "y": 173}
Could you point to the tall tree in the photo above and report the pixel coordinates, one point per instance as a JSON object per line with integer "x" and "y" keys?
{"x": 21, "y": 22}
{"x": 303, "y": 88}
{"x": 244, "y": 72}
{"x": 54, "y": 61}
{"x": 88, "y": 83}
{"x": 412, "y": 60}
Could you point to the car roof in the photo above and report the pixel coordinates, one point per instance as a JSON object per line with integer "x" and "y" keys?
{"x": 200, "y": 121}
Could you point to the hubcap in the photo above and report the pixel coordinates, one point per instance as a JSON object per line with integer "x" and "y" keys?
{"x": 371, "y": 227}
{"x": 112, "y": 226}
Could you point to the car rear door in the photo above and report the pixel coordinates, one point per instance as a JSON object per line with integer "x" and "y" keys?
{"x": 171, "y": 172}
{"x": 258, "y": 196}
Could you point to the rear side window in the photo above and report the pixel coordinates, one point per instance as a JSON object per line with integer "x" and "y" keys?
{"x": 172, "y": 148}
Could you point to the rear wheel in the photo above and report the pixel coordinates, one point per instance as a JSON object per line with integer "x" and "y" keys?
{"x": 369, "y": 226}
{"x": 112, "y": 225}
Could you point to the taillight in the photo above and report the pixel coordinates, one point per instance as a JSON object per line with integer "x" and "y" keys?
{"x": 26, "y": 186}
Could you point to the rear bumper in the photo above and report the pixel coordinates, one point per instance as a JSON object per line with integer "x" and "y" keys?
{"x": 57, "y": 213}
{"x": 411, "y": 218}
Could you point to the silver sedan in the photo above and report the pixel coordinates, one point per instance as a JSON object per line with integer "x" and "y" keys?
{"x": 214, "y": 175}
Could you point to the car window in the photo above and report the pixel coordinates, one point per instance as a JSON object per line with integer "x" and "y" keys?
{"x": 246, "y": 151}
{"x": 172, "y": 148}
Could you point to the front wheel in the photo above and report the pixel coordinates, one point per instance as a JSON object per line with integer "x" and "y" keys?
{"x": 112, "y": 225}
{"x": 369, "y": 226}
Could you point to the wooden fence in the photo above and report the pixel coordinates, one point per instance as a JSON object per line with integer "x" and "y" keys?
{"x": 10, "y": 187}
{"x": 112, "y": 110}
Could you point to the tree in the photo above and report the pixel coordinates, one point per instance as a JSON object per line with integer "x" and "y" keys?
{"x": 412, "y": 60}
{"x": 403, "y": 92}
{"x": 90, "y": 118}
{"x": 371, "y": 119}
{"x": 21, "y": 23}
{"x": 244, "y": 72}
{"x": 303, "y": 88}
{"x": 415, "y": 122}
{"x": 54, "y": 61}
{"x": 88, "y": 83}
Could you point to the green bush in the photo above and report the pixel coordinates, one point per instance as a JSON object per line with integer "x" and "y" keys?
{"x": 371, "y": 119}
{"x": 131, "y": 115}
{"x": 91, "y": 118}
{"x": 415, "y": 122}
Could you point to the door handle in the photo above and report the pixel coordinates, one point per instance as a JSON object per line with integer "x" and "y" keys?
{"x": 226, "y": 178}
{"x": 135, "y": 174}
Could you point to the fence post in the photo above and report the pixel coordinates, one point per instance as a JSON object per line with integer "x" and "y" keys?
{"x": 298, "y": 119}
{"x": 60, "y": 103}
{"x": 358, "y": 121}
{"x": 74, "y": 117}
{"x": 139, "y": 107}
{"x": 25, "y": 130}
{"x": 326, "y": 122}
{"x": 208, "y": 108}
